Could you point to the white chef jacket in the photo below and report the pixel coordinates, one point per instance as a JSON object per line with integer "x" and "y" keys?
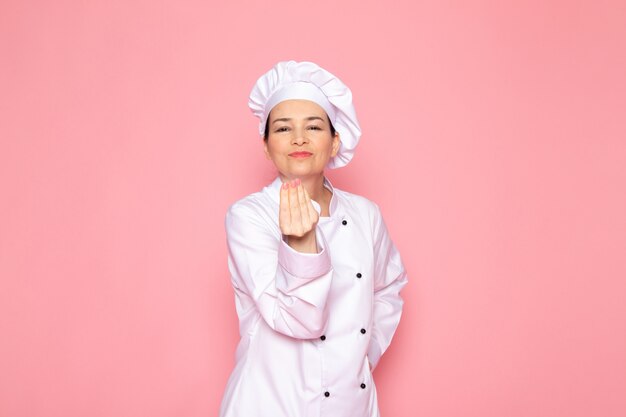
{"x": 310, "y": 322}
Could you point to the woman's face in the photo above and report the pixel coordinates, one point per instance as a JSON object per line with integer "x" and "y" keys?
{"x": 299, "y": 141}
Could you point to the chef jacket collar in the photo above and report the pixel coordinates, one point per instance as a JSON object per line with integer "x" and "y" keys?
{"x": 275, "y": 193}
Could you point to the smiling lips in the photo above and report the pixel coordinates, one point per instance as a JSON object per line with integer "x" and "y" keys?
{"x": 300, "y": 154}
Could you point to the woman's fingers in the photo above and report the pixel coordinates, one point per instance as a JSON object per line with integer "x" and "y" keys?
{"x": 304, "y": 209}
{"x": 313, "y": 215}
{"x": 296, "y": 214}
{"x": 284, "y": 214}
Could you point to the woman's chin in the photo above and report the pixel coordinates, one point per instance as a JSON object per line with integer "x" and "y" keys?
{"x": 302, "y": 170}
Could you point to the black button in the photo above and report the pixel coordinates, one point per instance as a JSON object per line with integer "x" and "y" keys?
{"x": 358, "y": 275}
{"x": 327, "y": 394}
{"x": 344, "y": 222}
{"x": 363, "y": 386}
{"x": 323, "y": 337}
{"x": 363, "y": 331}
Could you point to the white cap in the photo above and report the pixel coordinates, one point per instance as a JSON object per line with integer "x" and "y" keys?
{"x": 306, "y": 80}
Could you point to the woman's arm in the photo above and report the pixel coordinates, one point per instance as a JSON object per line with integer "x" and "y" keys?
{"x": 389, "y": 279}
{"x": 289, "y": 288}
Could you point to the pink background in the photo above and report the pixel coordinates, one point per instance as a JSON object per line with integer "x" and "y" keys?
{"x": 494, "y": 142}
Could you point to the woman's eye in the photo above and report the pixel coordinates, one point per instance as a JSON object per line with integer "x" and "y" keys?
{"x": 282, "y": 129}
{"x": 315, "y": 128}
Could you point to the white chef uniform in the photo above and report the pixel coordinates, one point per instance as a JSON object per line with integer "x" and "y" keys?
{"x": 310, "y": 322}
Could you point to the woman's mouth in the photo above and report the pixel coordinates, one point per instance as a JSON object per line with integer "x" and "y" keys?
{"x": 300, "y": 154}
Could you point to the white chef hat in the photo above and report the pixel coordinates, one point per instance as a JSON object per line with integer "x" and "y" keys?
{"x": 306, "y": 80}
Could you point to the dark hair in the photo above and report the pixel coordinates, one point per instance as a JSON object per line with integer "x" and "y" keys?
{"x": 267, "y": 127}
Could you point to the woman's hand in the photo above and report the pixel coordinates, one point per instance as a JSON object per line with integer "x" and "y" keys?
{"x": 297, "y": 217}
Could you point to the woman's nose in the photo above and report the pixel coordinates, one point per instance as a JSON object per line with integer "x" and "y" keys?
{"x": 299, "y": 137}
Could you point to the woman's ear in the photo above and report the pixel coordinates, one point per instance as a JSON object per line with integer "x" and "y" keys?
{"x": 336, "y": 143}
{"x": 266, "y": 150}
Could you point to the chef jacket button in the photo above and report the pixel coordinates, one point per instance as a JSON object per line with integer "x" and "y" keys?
{"x": 358, "y": 275}
{"x": 362, "y": 385}
{"x": 327, "y": 394}
{"x": 363, "y": 331}
{"x": 323, "y": 337}
{"x": 344, "y": 222}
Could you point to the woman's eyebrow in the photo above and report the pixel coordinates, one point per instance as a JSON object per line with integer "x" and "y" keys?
{"x": 288, "y": 119}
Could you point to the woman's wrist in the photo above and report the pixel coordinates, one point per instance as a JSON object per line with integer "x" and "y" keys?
{"x": 305, "y": 244}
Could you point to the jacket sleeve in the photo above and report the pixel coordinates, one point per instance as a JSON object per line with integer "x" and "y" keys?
{"x": 289, "y": 288}
{"x": 389, "y": 279}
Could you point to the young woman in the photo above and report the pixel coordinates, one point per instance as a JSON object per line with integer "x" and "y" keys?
{"x": 317, "y": 279}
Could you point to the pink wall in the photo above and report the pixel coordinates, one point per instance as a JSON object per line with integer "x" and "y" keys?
{"x": 494, "y": 141}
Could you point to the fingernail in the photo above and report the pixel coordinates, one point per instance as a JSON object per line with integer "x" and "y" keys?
{"x": 298, "y": 181}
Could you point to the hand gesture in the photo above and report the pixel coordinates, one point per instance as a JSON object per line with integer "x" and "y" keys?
{"x": 297, "y": 216}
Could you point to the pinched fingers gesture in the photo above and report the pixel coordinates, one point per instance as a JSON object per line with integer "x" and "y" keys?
{"x": 297, "y": 216}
